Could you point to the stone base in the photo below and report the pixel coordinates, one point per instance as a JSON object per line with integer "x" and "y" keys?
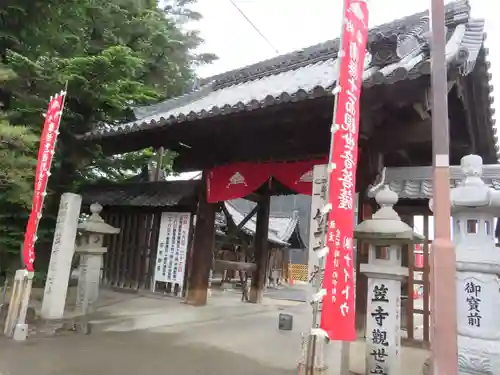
{"x": 36, "y": 327}
{"x": 30, "y": 314}
{"x": 301, "y": 370}
{"x": 56, "y": 327}
{"x": 255, "y": 295}
{"x": 478, "y": 356}
{"x": 197, "y": 297}
{"x": 426, "y": 368}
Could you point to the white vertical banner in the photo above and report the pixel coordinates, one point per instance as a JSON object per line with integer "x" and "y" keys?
{"x": 172, "y": 248}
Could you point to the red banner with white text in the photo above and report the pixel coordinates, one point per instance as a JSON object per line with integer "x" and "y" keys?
{"x": 337, "y": 316}
{"x": 241, "y": 179}
{"x": 45, "y": 156}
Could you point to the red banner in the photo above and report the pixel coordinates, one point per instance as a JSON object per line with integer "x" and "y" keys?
{"x": 419, "y": 256}
{"x": 337, "y": 317}
{"x": 241, "y": 179}
{"x": 236, "y": 180}
{"x": 45, "y": 155}
{"x": 297, "y": 176}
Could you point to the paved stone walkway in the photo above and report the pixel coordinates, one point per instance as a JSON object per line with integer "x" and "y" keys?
{"x": 148, "y": 336}
{"x": 124, "y": 353}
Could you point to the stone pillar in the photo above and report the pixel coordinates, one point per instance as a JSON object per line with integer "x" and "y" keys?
{"x": 385, "y": 234}
{"x": 203, "y": 246}
{"x": 91, "y": 251}
{"x": 474, "y": 207}
{"x": 63, "y": 247}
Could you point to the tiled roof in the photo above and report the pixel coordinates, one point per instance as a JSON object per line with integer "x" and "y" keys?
{"x": 281, "y": 227}
{"x": 285, "y": 206}
{"x": 143, "y": 194}
{"x": 163, "y": 194}
{"x": 417, "y": 182}
{"x": 397, "y": 51}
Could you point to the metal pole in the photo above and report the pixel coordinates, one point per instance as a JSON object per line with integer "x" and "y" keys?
{"x": 311, "y": 342}
{"x": 444, "y": 359}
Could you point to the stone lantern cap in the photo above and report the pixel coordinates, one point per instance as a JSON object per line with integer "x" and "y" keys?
{"x": 385, "y": 226}
{"x": 96, "y": 224}
{"x": 472, "y": 192}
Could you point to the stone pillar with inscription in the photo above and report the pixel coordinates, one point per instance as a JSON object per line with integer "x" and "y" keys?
{"x": 385, "y": 234}
{"x": 91, "y": 251}
{"x": 63, "y": 248}
{"x": 474, "y": 207}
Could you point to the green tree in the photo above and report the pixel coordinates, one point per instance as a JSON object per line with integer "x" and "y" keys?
{"x": 112, "y": 54}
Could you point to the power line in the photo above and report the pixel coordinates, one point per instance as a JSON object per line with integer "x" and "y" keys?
{"x": 254, "y": 27}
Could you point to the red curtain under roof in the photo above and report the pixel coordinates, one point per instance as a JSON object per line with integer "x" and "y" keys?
{"x": 241, "y": 179}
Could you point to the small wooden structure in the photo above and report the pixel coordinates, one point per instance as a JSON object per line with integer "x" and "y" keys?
{"x": 136, "y": 209}
{"x": 281, "y": 110}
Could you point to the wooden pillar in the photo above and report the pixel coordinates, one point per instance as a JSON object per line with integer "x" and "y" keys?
{"x": 407, "y": 302}
{"x": 261, "y": 248}
{"x": 203, "y": 246}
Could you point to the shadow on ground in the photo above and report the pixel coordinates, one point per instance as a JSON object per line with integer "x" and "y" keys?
{"x": 124, "y": 353}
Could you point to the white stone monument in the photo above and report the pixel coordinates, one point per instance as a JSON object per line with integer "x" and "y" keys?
{"x": 385, "y": 234}
{"x": 474, "y": 207}
{"x": 63, "y": 248}
{"x": 91, "y": 251}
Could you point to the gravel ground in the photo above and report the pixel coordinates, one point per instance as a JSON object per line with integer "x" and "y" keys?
{"x": 123, "y": 353}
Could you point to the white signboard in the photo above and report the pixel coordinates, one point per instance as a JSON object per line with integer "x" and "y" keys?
{"x": 383, "y": 327}
{"x": 172, "y": 248}
{"x": 478, "y": 305}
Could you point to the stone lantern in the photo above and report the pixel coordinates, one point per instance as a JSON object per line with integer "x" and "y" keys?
{"x": 385, "y": 234}
{"x": 474, "y": 206}
{"x": 90, "y": 248}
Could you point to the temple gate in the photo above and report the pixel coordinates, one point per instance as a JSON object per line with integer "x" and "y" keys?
{"x": 242, "y": 123}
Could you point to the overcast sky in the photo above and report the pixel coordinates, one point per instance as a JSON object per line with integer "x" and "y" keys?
{"x": 290, "y": 25}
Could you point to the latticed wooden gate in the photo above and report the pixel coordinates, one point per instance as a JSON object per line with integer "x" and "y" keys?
{"x": 130, "y": 260}
{"x": 417, "y": 320}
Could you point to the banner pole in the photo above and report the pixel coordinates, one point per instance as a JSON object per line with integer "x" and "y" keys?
{"x": 24, "y": 277}
{"x": 317, "y": 278}
{"x": 63, "y": 93}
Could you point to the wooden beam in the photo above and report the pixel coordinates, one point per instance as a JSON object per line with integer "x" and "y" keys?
{"x": 203, "y": 246}
{"x": 260, "y": 146}
{"x": 261, "y": 249}
{"x": 233, "y": 229}
{"x": 396, "y": 136}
